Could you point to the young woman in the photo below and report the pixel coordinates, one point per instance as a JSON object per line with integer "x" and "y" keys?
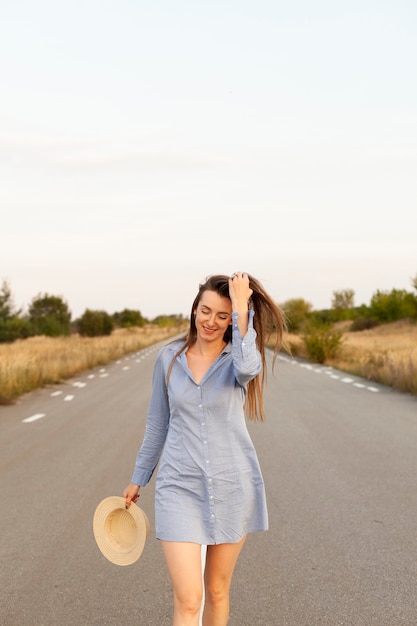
{"x": 209, "y": 487}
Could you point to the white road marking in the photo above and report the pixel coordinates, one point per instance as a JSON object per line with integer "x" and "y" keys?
{"x": 33, "y": 418}
{"x": 330, "y": 372}
{"x": 80, "y": 384}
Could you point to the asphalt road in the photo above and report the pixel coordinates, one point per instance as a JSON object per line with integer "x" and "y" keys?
{"x": 340, "y": 465}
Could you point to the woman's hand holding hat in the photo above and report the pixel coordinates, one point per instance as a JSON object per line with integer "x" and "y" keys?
{"x": 131, "y": 494}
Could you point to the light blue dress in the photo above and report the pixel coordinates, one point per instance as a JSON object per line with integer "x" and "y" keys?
{"x": 209, "y": 486}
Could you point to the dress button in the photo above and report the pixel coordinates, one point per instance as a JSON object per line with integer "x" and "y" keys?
{"x": 207, "y": 461}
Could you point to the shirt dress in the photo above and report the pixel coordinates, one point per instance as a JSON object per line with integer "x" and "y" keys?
{"x": 209, "y": 486}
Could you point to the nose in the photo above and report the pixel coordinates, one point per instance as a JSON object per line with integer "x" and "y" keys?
{"x": 212, "y": 319}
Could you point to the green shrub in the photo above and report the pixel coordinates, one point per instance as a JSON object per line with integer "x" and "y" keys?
{"x": 14, "y": 328}
{"x": 163, "y": 321}
{"x": 390, "y": 306}
{"x": 49, "y": 315}
{"x": 364, "y": 323}
{"x": 322, "y": 342}
{"x": 296, "y": 311}
{"x": 95, "y": 324}
{"x": 129, "y": 318}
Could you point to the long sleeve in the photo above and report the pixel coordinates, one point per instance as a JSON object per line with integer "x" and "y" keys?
{"x": 246, "y": 357}
{"x": 157, "y": 421}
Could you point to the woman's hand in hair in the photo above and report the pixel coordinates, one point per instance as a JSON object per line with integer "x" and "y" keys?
{"x": 240, "y": 292}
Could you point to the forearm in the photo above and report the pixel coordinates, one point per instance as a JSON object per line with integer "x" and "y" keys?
{"x": 240, "y": 292}
{"x": 149, "y": 453}
{"x": 242, "y": 318}
{"x": 246, "y": 357}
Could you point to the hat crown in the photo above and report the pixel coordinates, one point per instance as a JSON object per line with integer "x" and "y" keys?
{"x": 120, "y": 533}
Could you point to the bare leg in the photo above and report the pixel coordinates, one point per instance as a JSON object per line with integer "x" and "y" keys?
{"x": 220, "y": 563}
{"x": 184, "y": 567}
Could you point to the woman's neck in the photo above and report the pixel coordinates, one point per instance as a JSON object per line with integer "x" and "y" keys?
{"x": 207, "y": 349}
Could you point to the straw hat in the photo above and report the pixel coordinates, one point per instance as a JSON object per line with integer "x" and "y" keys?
{"x": 120, "y": 533}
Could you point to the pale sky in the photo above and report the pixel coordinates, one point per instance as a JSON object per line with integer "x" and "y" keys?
{"x": 144, "y": 146}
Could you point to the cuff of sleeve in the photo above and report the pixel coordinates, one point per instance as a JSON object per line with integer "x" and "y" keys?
{"x": 141, "y": 477}
{"x": 235, "y": 316}
{"x": 247, "y": 342}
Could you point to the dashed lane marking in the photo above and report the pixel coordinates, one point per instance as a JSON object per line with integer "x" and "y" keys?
{"x": 331, "y": 373}
{"x": 103, "y": 373}
{"x": 33, "y": 418}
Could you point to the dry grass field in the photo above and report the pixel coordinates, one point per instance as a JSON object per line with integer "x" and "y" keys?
{"x": 386, "y": 354}
{"x": 28, "y": 364}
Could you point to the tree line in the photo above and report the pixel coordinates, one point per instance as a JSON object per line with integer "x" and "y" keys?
{"x": 50, "y": 315}
{"x": 320, "y": 331}
{"x": 384, "y": 307}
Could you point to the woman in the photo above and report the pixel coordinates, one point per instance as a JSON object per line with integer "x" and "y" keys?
{"x": 209, "y": 488}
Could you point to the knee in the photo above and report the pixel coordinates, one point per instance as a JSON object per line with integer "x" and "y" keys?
{"x": 189, "y": 604}
{"x": 217, "y": 593}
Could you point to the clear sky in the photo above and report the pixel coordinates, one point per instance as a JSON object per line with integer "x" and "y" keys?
{"x": 145, "y": 145}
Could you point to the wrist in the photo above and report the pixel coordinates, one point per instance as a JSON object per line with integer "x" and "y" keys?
{"x": 241, "y": 309}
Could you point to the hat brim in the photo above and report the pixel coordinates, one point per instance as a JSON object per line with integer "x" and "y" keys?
{"x": 120, "y": 533}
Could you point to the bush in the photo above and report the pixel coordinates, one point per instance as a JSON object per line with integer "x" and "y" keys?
{"x": 394, "y": 305}
{"x": 167, "y": 321}
{"x": 49, "y": 315}
{"x": 296, "y": 311}
{"x": 128, "y": 318}
{"x": 322, "y": 342}
{"x": 14, "y": 328}
{"x": 364, "y": 323}
{"x": 95, "y": 324}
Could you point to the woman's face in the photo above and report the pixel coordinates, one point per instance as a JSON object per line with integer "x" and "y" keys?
{"x": 213, "y": 315}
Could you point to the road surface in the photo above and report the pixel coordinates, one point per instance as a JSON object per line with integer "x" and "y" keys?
{"x": 339, "y": 457}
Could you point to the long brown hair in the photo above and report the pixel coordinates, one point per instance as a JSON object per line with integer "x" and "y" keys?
{"x": 269, "y": 321}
